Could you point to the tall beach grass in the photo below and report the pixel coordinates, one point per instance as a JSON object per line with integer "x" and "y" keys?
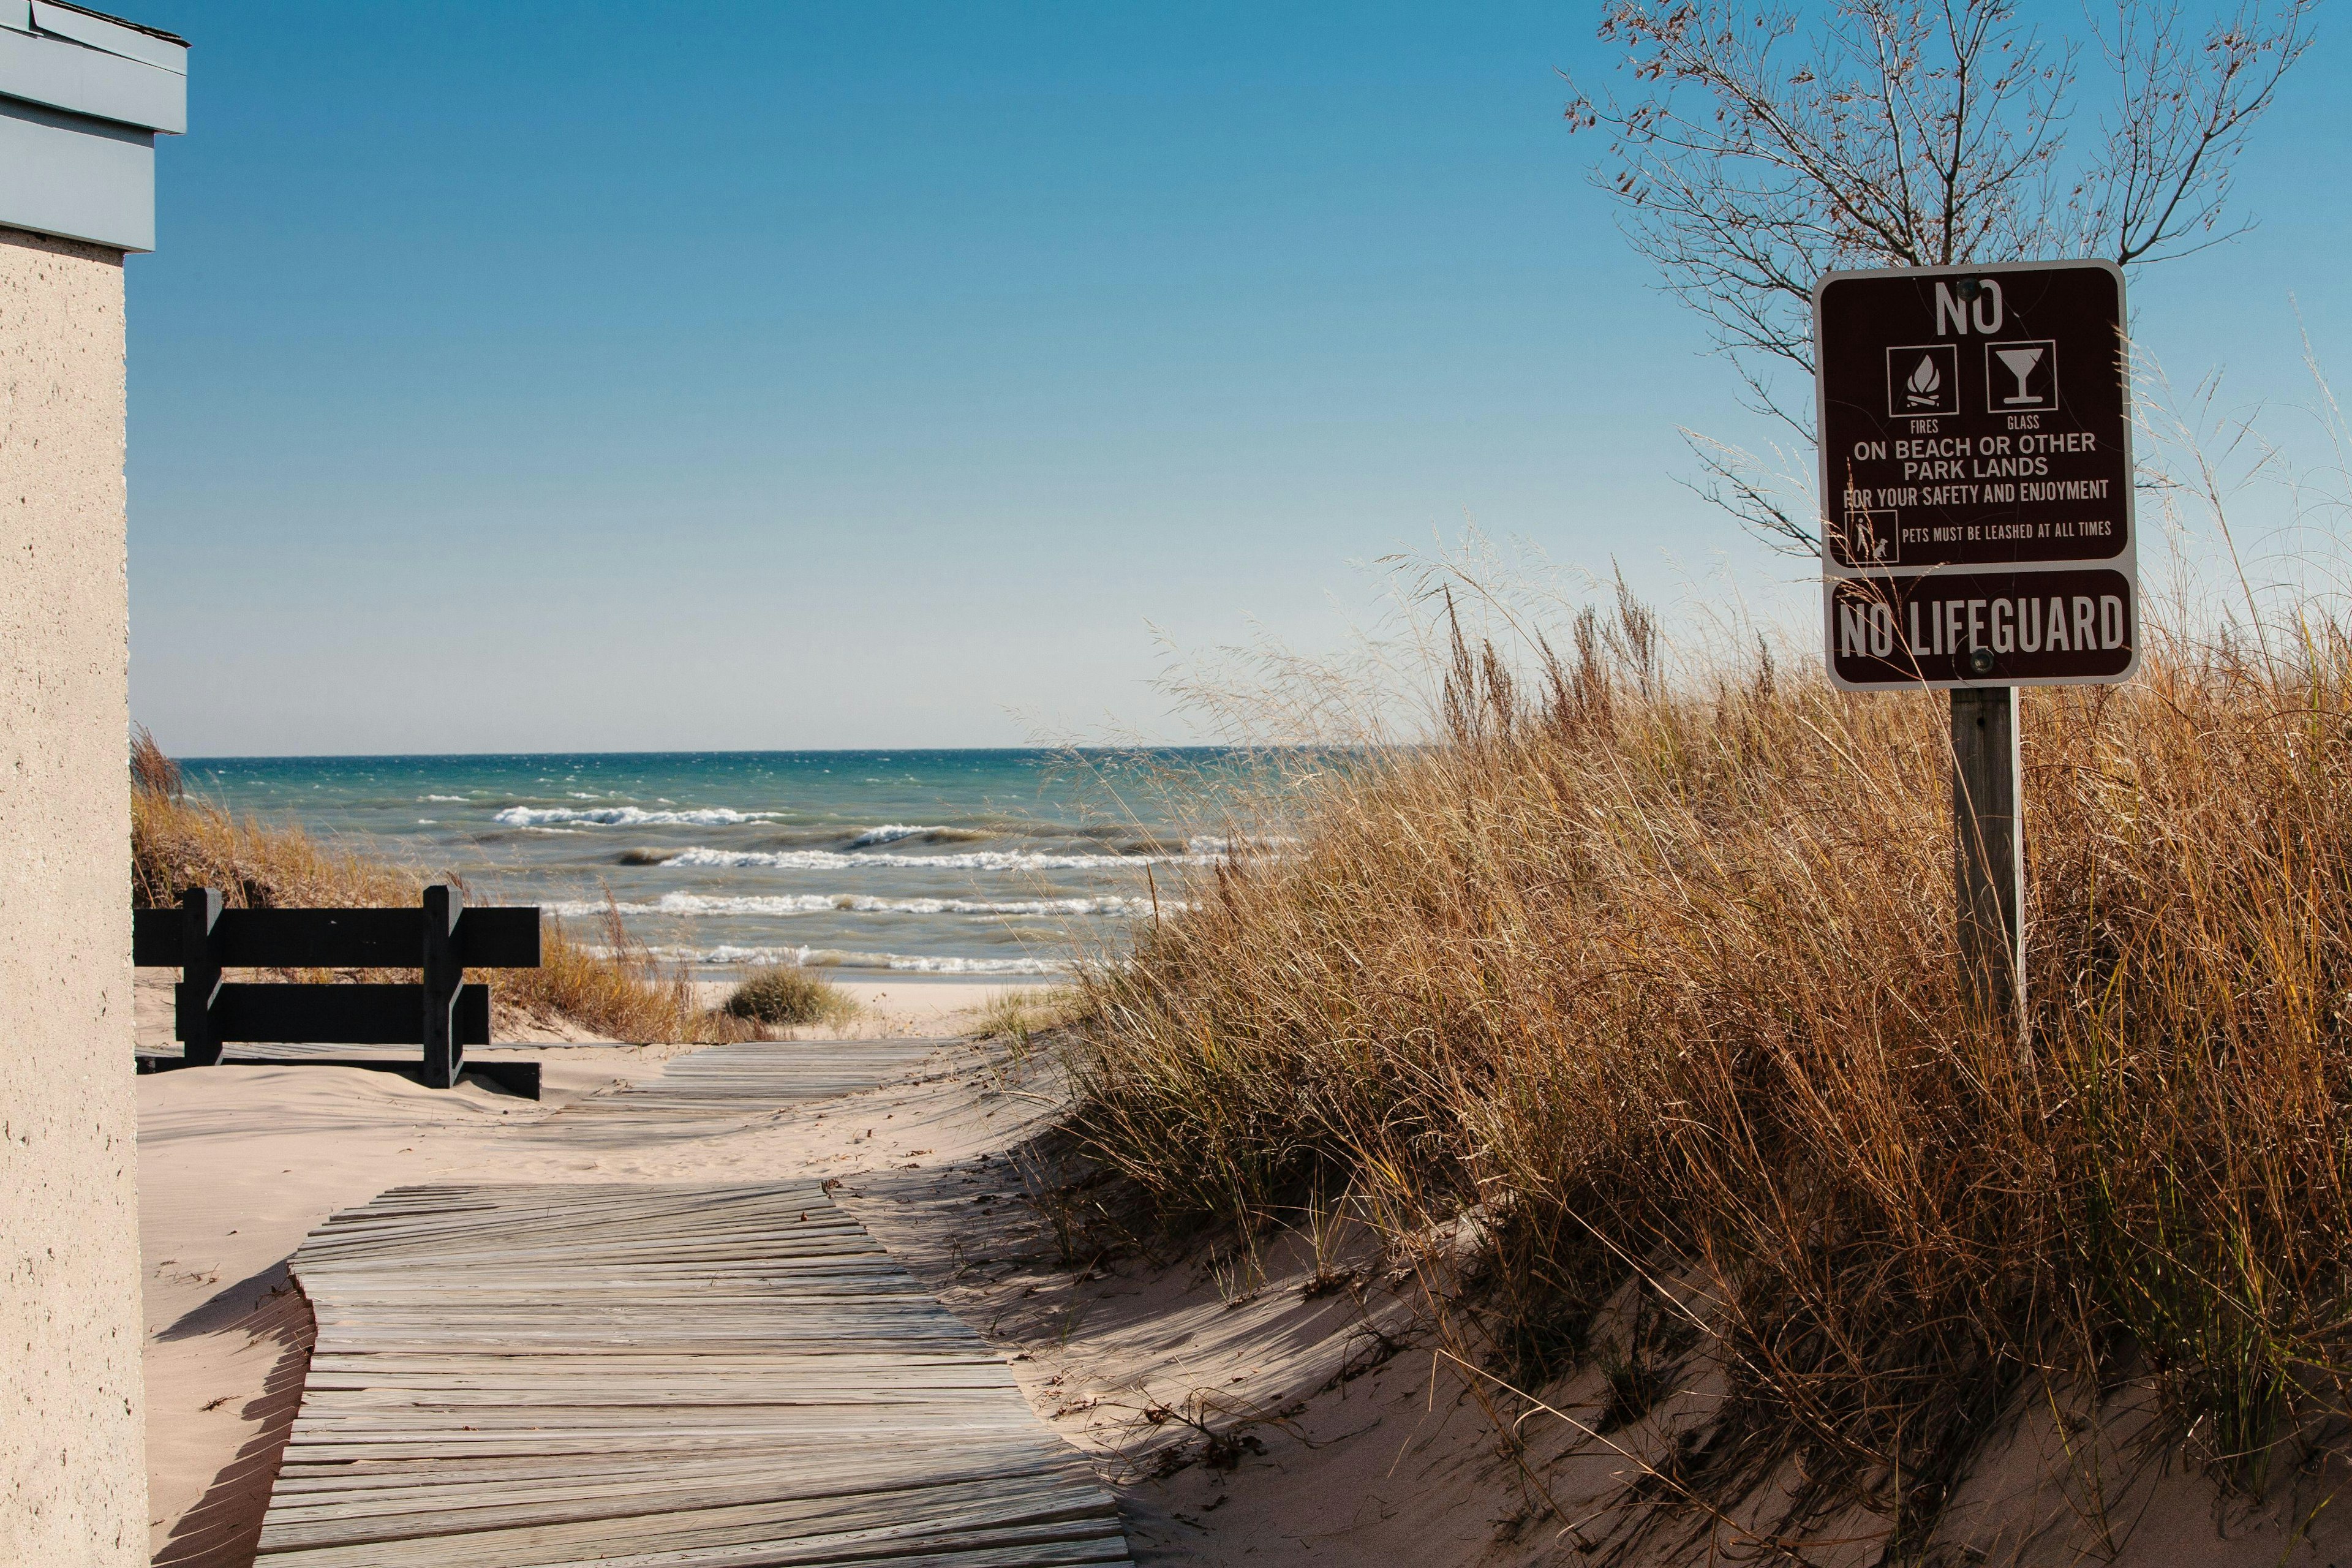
{"x": 1632, "y": 980}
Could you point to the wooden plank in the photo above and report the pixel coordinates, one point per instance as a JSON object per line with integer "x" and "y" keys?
{"x": 484, "y": 937}
{"x": 358, "y": 1015}
{"x": 516, "y": 1078}
{"x": 200, "y": 976}
{"x": 721, "y": 1376}
{"x": 446, "y": 1035}
{"x": 725, "y": 1088}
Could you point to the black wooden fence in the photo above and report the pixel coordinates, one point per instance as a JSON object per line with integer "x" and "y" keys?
{"x": 441, "y": 939}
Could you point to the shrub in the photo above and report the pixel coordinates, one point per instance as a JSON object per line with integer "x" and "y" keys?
{"x": 786, "y": 995}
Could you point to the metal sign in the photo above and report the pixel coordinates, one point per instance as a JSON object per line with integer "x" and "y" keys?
{"x": 1976, "y": 477}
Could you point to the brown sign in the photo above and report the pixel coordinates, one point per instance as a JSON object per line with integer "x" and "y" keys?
{"x": 1975, "y": 419}
{"x": 1983, "y": 628}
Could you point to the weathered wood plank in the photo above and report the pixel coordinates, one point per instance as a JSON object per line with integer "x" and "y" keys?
{"x": 728, "y": 1088}
{"x": 718, "y": 1375}
{"x": 486, "y": 938}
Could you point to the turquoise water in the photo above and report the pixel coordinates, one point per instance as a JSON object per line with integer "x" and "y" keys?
{"x": 964, "y": 862}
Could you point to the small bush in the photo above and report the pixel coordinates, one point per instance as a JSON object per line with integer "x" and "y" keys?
{"x": 785, "y": 995}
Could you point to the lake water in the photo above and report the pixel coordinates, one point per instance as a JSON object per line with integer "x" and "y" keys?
{"x": 1010, "y": 863}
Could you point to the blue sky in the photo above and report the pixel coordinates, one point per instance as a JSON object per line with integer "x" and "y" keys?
{"x": 601, "y": 377}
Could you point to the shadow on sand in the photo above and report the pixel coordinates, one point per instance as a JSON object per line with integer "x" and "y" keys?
{"x": 222, "y": 1529}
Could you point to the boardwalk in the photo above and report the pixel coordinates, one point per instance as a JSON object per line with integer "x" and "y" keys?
{"x": 684, "y": 1374}
{"x": 703, "y": 1376}
{"x": 728, "y": 1088}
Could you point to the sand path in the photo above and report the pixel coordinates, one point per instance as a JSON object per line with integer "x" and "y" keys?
{"x": 1291, "y": 1414}
{"x": 238, "y": 1163}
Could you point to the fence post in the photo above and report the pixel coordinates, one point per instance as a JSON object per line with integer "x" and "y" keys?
{"x": 1988, "y": 849}
{"x": 200, "y": 977}
{"x": 445, "y": 1053}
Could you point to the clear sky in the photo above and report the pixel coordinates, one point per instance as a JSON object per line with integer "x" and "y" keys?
{"x": 659, "y": 376}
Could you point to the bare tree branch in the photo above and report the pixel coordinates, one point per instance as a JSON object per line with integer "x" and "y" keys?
{"x": 1759, "y": 149}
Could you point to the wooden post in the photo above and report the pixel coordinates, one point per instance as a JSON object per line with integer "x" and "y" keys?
{"x": 444, "y": 1052}
{"x": 200, "y": 977}
{"x": 1989, "y": 847}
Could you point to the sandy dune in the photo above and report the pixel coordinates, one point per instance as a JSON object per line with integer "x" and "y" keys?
{"x": 1298, "y": 1415}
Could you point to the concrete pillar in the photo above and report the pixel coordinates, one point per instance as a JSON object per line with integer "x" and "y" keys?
{"x": 69, "y": 1333}
{"x": 81, "y": 99}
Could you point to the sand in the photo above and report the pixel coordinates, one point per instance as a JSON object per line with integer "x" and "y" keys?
{"x": 238, "y": 1163}
{"x": 1297, "y": 1413}
{"x": 912, "y": 1007}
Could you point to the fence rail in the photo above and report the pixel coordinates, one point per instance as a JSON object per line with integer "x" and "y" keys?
{"x": 441, "y": 939}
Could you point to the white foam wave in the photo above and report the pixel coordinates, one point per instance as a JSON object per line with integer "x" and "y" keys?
{"x": 445, "y": 799}
{"x": 968, "y": 860}
{"x": 731, "y": 956}
{"x": 779, "y": 904}
{"x": 1211, "y": 845}
{"x": 629, "y": 817}
{"x": 890, "y": 833}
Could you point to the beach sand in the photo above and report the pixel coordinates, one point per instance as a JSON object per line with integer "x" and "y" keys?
{"x": 238, "y": 1163}
{"x": 1298, "y": 1413}
{"x": 907, "y": 1007}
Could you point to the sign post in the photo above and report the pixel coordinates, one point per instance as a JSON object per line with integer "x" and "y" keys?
{"x": 1977, "y": 533}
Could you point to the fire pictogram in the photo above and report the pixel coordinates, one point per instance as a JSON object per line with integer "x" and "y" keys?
{"x": 1921, "y": 390}
{"x": 1923, "y": 380}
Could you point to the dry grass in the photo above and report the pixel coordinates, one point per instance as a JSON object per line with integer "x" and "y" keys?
{"x": 1656, "y": 981}
{"x": 178, "y": 843}
{"x": 1018, "y": 1014}
{"x": 615, "y": 990}
{"x": 788, "y": 996}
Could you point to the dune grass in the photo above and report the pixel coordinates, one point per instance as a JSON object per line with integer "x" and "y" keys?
{"x": 613, "y": 988}
{"x": 786, "y": 995}
{"x": 1018, "y": 1014}
{"x": 1653, "y": 981}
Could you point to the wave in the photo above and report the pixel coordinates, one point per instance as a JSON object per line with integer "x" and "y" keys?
{"x": 896, "y": 832}
{"x": 890, "y": 833}
{"x": 730, "y": 956}
{"x": 1226, "y": 849}
{"x": 969, "y": 860}
{"x": 863, "y": 904}
{"x": 445, "y": 799}
{"x": 630, "y": 817}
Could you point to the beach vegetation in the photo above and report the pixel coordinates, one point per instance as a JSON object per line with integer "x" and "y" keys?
{"x": 1622, "y": 1005}
{"x": 1018, "y": 1014}
{"x": 179, "y": 841}
{"x": 788, "y": 995}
